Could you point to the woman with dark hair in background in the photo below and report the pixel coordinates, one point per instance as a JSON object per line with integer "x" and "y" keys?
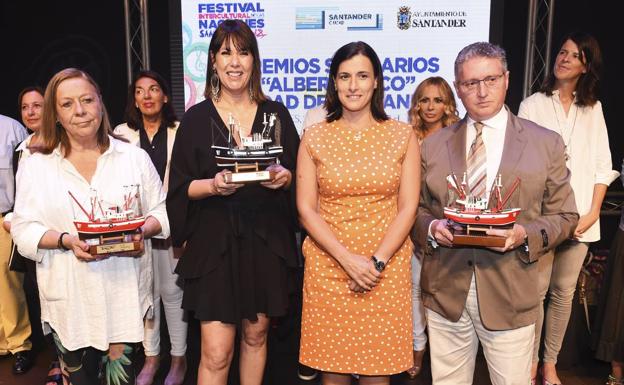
{"x": 433, "y": 107}
{"x": 93, "y": 305}
{"x": 357, "y": 192}
{"x": 30, "y": 104}
{"x": 240, "y": 239}
{"x": 568, "y": 104}
{"x": 151, "y": 124}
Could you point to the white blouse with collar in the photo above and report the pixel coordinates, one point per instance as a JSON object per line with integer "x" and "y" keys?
{"x": 87, "y": 303}
{"x": 584, "y": 133}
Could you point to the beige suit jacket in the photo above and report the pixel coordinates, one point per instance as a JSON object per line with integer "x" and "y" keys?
{"x": 507, "y": 288}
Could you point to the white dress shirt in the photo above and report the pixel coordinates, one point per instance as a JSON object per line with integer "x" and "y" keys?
{"x": 11, "y": 133}
{"x": 493, "y": 139}
{"x": 584, "y": 133}
{"x": 87, "y": 303}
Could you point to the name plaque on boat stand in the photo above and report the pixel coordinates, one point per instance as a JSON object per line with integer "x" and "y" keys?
{"x": 112, "y": 243}
{"x": 111, "y": 229}
{"x": 470, "y": 217}
{"x": 242, "y": 175}
{"x": 251, "y": 160}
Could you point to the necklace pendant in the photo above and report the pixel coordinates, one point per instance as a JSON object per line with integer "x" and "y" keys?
{"x": 357, "y": 136}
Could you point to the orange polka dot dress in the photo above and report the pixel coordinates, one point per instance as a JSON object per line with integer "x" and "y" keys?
{"x": 358, "y": 174}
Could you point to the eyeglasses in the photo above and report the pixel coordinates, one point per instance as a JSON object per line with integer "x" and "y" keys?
{"x": 472, "y": 85}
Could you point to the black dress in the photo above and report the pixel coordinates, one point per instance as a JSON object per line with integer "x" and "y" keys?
{"x": 238, "y": 248}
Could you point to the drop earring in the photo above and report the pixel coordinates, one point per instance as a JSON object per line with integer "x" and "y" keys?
{"x": 215, "y": 86}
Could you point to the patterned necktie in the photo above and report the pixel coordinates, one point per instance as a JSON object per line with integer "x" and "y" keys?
{"x": 477, "y": 165}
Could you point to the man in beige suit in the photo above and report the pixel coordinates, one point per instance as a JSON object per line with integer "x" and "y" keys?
{"x": 489, "y": 295}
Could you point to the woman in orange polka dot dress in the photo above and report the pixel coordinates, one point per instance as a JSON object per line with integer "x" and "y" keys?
{"x": 357, "y": 194}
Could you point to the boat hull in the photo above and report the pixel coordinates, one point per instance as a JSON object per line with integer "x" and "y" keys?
{"x": 483, "y": 218}
{"x": 108, "y": 227}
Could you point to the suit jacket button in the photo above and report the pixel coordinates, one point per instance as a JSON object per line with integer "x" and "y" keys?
{"x": 469, "y": 263}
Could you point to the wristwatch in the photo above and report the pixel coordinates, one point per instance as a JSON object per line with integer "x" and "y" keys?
{"x": 379, "y": 265}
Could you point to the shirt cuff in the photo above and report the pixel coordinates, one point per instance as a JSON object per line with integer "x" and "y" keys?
{"x": 430, "y": 237}
{"x": 606, "y": 177}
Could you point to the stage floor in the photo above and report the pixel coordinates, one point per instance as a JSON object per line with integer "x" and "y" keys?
{"x": 282, "y": 366}
{"x": 576, "y": 365}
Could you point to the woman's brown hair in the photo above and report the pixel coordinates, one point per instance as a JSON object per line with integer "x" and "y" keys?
{"x": 134, "y": 118}
{"x": 591, "y": 56}
{"x": 52, "y": 132}
{"x": 236, "y": 32}
{"x": 346, "y": 52}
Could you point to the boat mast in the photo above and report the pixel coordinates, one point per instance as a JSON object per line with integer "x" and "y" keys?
{"x": 454, "y": 184}
{"x": 89, "y": 216}
{"x": 231, "y": 128}
{"x": 511, "y": 191}
{"x": 464, "y": 184}
{"x": 496, "y": 192}
{"x": 137, "y": 195}
{"x": 265, "y": 132}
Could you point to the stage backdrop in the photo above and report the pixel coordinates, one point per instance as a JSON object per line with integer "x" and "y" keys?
{"x": 414, "y": 40}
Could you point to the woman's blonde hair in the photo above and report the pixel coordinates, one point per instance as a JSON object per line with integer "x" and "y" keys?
{"x": 52, "y": 132}
{"x": 450, "y": 107}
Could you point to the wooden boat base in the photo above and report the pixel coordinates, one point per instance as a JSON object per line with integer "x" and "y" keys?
{"x": 249, "y": 177}
{"x": 112, "y": 248}
{"x": 475, "y": 236}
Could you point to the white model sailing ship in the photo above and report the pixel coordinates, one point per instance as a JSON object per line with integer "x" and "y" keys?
{"x": 255, "y": 149}
{"x": 250, "y": 156}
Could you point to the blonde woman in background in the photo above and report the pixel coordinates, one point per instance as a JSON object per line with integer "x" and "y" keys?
{"x": 433, "y": 107}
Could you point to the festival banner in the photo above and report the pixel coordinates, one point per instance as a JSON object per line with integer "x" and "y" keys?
{"x": 414, "y": 40}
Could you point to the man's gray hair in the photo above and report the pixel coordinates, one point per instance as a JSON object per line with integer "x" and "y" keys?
{"x": 480, "y": 49}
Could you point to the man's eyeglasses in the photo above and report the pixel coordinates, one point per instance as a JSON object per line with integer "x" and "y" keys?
{"x": 472, "y": 85}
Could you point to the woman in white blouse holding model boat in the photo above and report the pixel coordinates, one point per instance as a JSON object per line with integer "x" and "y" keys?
{"x": 93, "y": 305}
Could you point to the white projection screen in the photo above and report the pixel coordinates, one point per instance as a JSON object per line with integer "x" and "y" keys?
{"x": 414, "y": 40}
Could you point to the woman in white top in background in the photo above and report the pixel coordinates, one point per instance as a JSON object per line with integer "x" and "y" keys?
{"x": 568, "y": 104}
{"x": 93, "y": 305}
{"x": 151, "y": 124}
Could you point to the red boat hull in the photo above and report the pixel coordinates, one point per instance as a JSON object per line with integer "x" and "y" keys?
{"x": 502, "y": 218}
{"x": 108, "y": 227}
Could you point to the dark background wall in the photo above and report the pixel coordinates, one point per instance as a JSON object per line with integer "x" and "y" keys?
{"x": 38, "y": 38}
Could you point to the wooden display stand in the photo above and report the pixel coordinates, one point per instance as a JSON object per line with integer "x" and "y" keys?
{"x": 242, "y": 175}
{"x": 112, "y": 243}
{"x": 472, "y": 235}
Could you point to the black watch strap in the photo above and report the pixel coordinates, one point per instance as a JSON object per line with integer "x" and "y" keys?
{"x": 379, "y": 265}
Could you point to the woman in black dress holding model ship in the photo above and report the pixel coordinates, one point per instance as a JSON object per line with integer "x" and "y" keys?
{"x": 239, "y": 238}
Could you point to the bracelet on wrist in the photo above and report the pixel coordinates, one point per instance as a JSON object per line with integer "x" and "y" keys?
{"x": 60, "y": 244}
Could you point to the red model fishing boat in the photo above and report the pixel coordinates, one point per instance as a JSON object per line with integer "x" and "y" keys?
{"x": 470, "y": 218}
{"x": 470, "y": 210}
{"x": 113, "y": 219}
